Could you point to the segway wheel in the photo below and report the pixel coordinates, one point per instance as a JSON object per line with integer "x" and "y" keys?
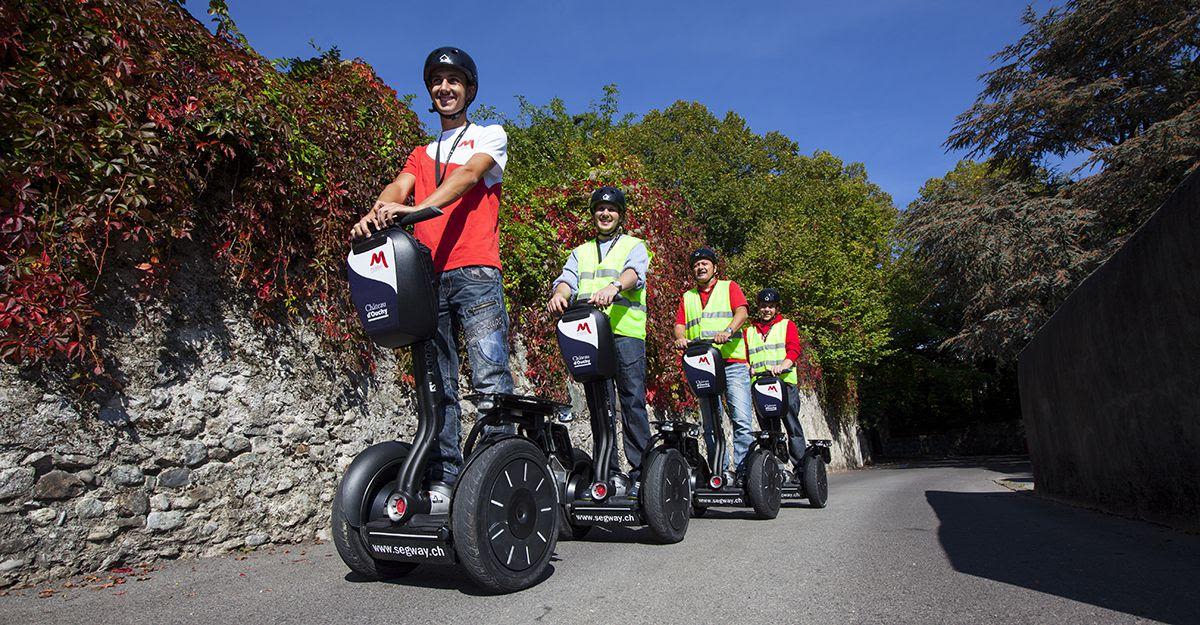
{"x": 816, "y": 483}
{"x": 581, "y": 470}
{"x": 667, "y": 495}
{"x": 505, "y": 516}
{"x": 354, "y": 553}
{"x": 762, "y": 484}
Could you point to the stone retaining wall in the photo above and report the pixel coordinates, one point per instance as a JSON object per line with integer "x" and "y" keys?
{"x": 226, "y": 435}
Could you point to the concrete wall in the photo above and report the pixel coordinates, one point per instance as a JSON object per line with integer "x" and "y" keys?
{"x": 1110, "y": 386}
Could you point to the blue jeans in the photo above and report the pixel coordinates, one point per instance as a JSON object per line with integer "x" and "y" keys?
{"x": 470, "y": 299}
{"x": 796, "y": 443}
{"x": 631, "y": 390}
{"x": 737, "y": 398}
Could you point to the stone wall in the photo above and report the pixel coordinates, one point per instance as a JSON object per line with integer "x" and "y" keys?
{"x": 225, "y": 435}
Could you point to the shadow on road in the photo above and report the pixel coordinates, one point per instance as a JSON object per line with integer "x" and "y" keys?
{"x": 443, "y": 577}
{"x": 998, "y": 464}
{"x": 1114, "y": 563}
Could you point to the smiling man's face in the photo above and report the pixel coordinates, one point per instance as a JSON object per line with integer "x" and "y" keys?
{"x": 449, "y": 89}
{"x": 606, "y": 218}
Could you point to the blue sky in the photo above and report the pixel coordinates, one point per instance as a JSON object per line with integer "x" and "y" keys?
{"x": 873, "y": 81}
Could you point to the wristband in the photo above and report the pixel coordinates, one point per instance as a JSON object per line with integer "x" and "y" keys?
{"x": 616, "y": 283}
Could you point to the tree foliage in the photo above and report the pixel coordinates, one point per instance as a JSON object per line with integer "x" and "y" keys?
{"x": 1116, "y": 80}
{"x": 127, "y": 127}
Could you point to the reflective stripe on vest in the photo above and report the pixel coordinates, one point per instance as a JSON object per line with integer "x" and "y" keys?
{"x": 628, "y": 310}
{"x": 705, "y": 322}
{"x": 770, "y": 351}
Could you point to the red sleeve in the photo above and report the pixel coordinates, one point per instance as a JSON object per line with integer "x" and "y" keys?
{"x": 680, "y": 317}
{"x": 736, "y": 297}
{"x": 792, "y": 342}
{"x": 410, "y": 163}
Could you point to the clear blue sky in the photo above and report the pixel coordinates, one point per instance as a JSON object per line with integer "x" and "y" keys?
{"x": 873, "y": 81}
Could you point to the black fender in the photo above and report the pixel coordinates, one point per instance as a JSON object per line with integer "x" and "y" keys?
{"x": 370, "y": 469}
{"x": 820, "y": 448}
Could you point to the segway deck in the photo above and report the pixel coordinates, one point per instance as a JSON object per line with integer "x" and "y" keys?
{"x": 727, "y": 497}
{"x": 424, "y": 540}
{"x": 791, "y": 491}
{"x": 615, "y": 511}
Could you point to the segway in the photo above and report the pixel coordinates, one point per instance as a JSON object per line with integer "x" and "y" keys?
{"x": 704, "y": 368}
{"x": 771, "y": 407}
{"x": 499, "y": 521}
{"x": 592, "y": 493}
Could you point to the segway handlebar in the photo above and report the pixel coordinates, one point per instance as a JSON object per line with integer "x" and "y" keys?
{"x": 417, "y": 216}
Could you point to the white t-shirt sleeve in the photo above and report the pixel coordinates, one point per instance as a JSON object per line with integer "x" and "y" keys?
{"x": 493, "y": 141}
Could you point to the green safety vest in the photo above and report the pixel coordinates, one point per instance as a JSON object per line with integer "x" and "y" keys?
{"x": 770, "y": 351}
{"x": 628, "y": 310}
{"x": 704, "y": 322}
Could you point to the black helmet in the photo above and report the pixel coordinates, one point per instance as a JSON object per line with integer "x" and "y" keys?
{"x": 448, "y": 56}
{"x": 769, "y": 296}
{"x": 704, "y": 253}
{"x": 608, "y": 195}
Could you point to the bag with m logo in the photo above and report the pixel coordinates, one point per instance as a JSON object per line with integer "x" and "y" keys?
{"x": 585, "y": 339}
{"x": 393, "y": 289}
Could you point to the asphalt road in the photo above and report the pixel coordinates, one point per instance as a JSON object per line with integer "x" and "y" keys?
{"x": 929, "y": 543}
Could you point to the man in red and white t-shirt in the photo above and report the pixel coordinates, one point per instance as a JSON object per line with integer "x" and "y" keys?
{"x": 461, "y": 172}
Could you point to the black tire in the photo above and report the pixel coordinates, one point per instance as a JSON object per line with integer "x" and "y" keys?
{"x": 505, "y": 516}
{"x": 762, "y": 484}
{"x": 667, "y": 495}
{"x": 816, "y": 483}
{"x": 581, "y": 465}
{"x": 354, "y": 553}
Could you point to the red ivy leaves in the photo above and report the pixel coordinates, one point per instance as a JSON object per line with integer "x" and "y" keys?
{"x": 132, "y": 128}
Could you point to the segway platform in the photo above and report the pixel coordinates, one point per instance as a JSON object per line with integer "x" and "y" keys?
{"x": 615, "y": 511}
{"x": 708, "y": 497}
{"x": 425, "y": 541}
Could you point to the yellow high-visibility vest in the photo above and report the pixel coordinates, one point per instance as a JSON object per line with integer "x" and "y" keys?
{"x": 770, "y": 351}
{"x": 704, "y": 322}
{"x": 628, "y": 310}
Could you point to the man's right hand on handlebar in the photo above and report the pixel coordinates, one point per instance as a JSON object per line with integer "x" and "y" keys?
{"x": 379, "y": 217}
{"x": 557, "y": 304}
{"x": 681, "y": 343}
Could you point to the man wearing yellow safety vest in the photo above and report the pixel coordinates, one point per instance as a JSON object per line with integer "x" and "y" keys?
{"x": 716, "y": 309}
{"x": 773, "y": 344}
{"x": 609, "y": 271}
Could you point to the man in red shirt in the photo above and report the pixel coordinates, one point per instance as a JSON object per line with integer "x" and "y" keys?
{"x": 716, "y": 309}
{"x": 461, "y": 172}
{"x": 764, "y": 354}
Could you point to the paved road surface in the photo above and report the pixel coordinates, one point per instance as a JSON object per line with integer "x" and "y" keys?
{"x": 923, "y": 543}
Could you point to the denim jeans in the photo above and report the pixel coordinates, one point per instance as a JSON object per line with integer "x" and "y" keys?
{"x": 737, "y": 398}
{"x": 791, "y": 423}
{"x": 470, "y": 299}
{"x": 631, "y": 390}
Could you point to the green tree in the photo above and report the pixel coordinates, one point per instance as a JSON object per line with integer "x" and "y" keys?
{"x": 823, "y": 239}
{"x": 1118, "y": 81}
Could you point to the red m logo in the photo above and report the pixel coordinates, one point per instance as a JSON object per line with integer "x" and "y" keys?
{"x": 378, "y": 257}
{"x": 584, "y": 327}
{"x": 772, "y": 388}
{"x": 469, "y": 143}
{"x": 704, "y": 360}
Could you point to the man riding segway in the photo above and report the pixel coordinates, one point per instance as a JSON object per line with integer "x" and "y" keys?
{"x": 609, "y": 272}
{"x": 773, "y": 344}
{"x": 716, "y": 310}
{"x": 461, "y": 172}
